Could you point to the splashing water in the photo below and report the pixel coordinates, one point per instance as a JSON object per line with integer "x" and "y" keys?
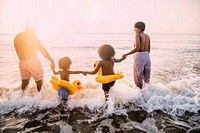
{"x": 171, "y": 102}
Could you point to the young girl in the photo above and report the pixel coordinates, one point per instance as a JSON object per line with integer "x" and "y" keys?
{"x": 64, "y": 65}
{"x": 106, "y": 53}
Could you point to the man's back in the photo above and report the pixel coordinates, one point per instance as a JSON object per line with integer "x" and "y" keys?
{"x": 25, "y": 45}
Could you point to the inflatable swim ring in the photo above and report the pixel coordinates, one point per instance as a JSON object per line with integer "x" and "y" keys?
{"x": 106, "y": 78}
{"x": 72, "y": 88}
{"x": 109, "y": 78}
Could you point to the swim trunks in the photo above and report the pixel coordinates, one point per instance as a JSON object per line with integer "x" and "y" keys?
{"x": 63, "y": 94}
{"x": 31, "y": 68}
{"x": 106, "y": 87}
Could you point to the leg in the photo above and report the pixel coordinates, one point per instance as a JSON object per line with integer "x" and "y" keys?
{"x": 106, "y": 88}
{"x": 147, "y": 71}
{"x": 147, "y": 75}
{"x": 39, "y": 84}
{"x": 138, "y": 79}
{"x": 25, "y": 82}
{"x": 106, "y": 95}
{"x": 37, "y": 73}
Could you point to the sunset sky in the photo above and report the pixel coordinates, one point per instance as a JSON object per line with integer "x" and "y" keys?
{"x": 97, "y": 16}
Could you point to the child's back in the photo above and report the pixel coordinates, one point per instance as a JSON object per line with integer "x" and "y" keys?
{"x": 106, "y": 52}
{"x": 64, "y": 75}
{"x": 64, "y": 65}
{"x": 107, "y": 66}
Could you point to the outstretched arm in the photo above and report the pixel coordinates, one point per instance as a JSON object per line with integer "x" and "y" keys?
{"x": 76, "y": 72}
{"x": 118, "y": 60}
{"x": 135, "y": 49}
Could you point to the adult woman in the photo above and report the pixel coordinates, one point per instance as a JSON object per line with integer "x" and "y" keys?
{"x": 142, "y": 62}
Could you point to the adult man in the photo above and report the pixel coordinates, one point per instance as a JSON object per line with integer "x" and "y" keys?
{"x": 26, "y": 45}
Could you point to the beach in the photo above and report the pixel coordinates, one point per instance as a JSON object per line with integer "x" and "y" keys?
{"x": 170, "y": 103}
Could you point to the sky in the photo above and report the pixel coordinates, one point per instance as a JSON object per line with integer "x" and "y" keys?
{"x": 100, "y": 16}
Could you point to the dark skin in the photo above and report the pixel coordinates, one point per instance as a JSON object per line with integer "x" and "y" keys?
{"x": 64, "y": 74}
{"x": 144, "y": 46}
{"x": 107, "y": 69}
{"x": 106, "y": 65}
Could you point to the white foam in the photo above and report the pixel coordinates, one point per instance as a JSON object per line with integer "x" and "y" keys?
{"x": 174, "y": 98}
{"x": 120, "y": 94}
{"x": 47, "y": 98}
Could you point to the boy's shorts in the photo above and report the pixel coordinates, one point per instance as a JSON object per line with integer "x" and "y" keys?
{"x": 31, "y": 68}
{"x": 106, "y": 87}
{"x": 63, "y": 94}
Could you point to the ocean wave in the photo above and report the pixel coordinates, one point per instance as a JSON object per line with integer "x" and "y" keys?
{"x": 152, "y": 109}
{"x": 175, "y": 98}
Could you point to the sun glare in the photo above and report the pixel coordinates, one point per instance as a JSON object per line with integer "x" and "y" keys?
{"x": 48, "y": 17}
{"x": 55, "y": 17}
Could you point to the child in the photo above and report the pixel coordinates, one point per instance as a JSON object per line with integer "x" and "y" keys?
{"x": 106, "y": 53}
{"x": 64, "y": 65}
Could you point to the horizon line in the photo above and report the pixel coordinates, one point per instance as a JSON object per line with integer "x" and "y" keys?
{"x": 12, "y": 33}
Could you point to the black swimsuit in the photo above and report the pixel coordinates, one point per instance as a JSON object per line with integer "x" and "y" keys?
{"x": 106, "y": 87}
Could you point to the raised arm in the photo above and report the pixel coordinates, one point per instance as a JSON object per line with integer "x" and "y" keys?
{"x": 118, "y": 60}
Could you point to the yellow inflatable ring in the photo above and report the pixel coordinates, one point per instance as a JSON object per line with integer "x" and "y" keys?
{"x": 106, "y": 78}
{"x": 72, "y": 88}
{"x": 109, "y": 78}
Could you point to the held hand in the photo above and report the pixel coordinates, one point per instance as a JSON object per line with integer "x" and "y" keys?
{"x": 52, "y": 65}
{"x": 124, "y": 56}
{"x": 84, "y": 73}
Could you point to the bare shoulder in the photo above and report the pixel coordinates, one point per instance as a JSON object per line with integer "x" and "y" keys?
{"x": 137, "y": 35}
{"x": 18, "y": 39}
{"x": 147, "y": 36}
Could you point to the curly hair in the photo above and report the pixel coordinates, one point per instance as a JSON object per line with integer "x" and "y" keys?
{"x": 106, "y": 52}
{"x": 64, "y": 63}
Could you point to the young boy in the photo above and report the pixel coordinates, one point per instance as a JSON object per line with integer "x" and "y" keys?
{"x": 64, "y": 72}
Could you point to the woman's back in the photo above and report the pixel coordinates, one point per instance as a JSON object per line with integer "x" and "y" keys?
{"x": 145, "y": 42}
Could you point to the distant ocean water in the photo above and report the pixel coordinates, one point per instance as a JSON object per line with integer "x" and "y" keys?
{"x": 170, "y": 103}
